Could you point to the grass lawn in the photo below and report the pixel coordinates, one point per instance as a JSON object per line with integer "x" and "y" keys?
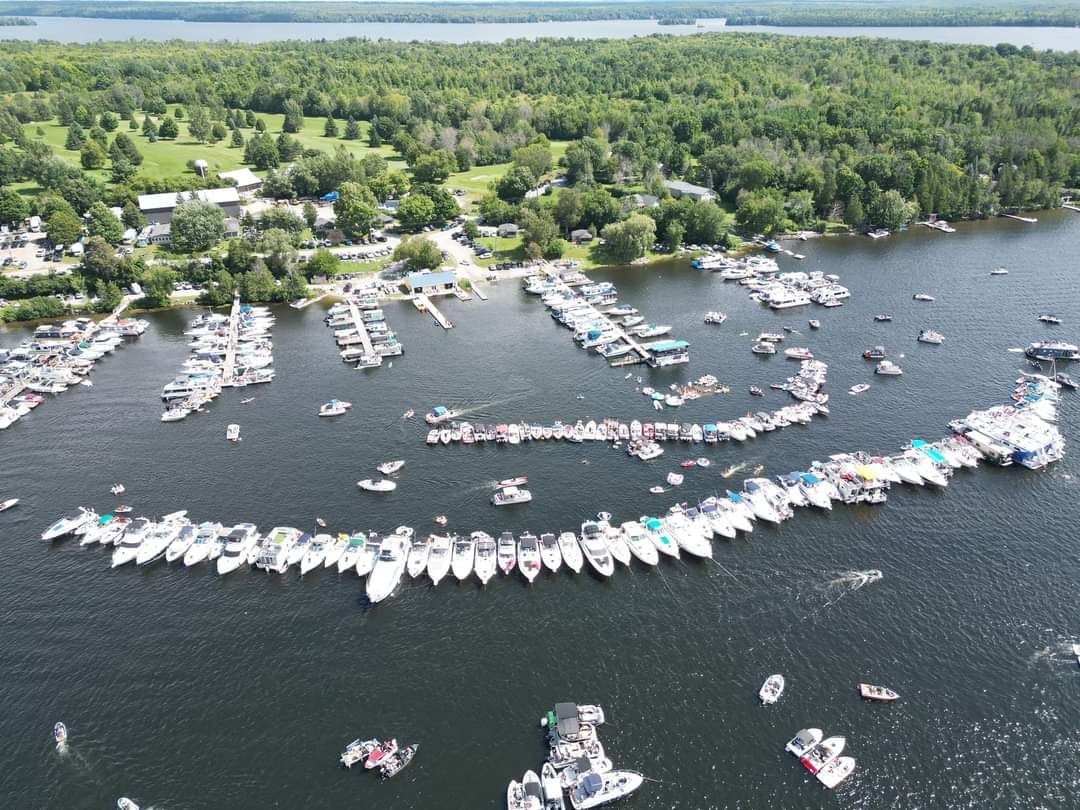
{"x": 364, "y": 267}
{"x": 476, "y": 181}
{"x": 505, "y": 249}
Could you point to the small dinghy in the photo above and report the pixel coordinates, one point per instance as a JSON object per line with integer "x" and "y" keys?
{"x": 60, "y": 734}
{"x": 836, "y": 771}
{"x": 383, "y": 485}
{"x": 357, "y": 751}
{"x": 657, "y": 490}
{"x": 442, "y": 520}
{"x": 117, "y": 489}
{"x": 674, "y": 478}
{"x": 686, "y": 465}
{"x": 390, "y": 467}
{"x": 880, "y": 693}
{"x": 703, "y": 462}
{"x": 520, "y": 481}
{"x": 603, "y": 515}
{"x": 124, "y": 803}
{"x": 858, "y": 389}
{"x": 123, "y": 509}
{"x": 772, "y": 689}
{"x": 802, "y": 742}
{"x": 1076, "y": 652}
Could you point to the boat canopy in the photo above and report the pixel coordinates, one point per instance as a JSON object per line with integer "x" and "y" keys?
{"x": 810, "y": 478}
{"x": 592, "y": 784}
{"x": 439, "y": 410}
{"x": 567, "y": 715}
{"x": 533, "y": 789}
{"x": 653, "y": 524}
{"x": 866, "y": 473}
{"x": 710, "y": 426}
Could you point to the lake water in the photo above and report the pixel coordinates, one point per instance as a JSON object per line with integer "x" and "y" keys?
{"x": 185, "y": 690}
{"x": 62, "y": 29}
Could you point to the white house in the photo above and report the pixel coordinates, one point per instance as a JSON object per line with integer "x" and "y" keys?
{"x": 679, "y": 188}
{"x": 159, "y": 207}
{"x": 247, "y": 182}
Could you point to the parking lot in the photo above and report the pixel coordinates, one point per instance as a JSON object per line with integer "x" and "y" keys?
{"x": 23, "y": 253}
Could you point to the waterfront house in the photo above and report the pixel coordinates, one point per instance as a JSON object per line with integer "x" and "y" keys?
{"x": 430, "y": 282}
{"x": 680, "y": 188}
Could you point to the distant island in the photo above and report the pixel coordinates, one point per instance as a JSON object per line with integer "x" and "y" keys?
{"x": 790, "y": 13}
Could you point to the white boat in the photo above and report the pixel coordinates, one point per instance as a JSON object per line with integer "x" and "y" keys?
{"x": 439, "y": 558}
{"x": 675, "y": 478}
{"x": 999, "y": 271}
{"x": 463, "y": 558}
{"x": 418, "y": 556}
{"x": 595, "y": 548}
{"x": 717, "y": 519}
{"x": 94, "y": 532}
{"x": 516, "y": 799}
{"x": 802, "y": 742}
{"x": 836, "y": 771}
{"x": 390, "y": 467}
{"x": 124, "y": 803}
{"x": 334, "y": 551}
{"x": 70, "y": 525}
{"x": 232, "y": 433}
{"x": 390, "y": 565}
{"x": 239, "y": 542}
{"x": 334, "y": 407}
{"x": 888, "y": 368}
{"x": 528, "y": 555}
{"x": 367, "y": 555}
{"x": 905, "y": 470}
{"x": 553, "y": 791}
{"x": 111, "y": 533}
{"x": 823, "y": 753}
{"x": 660, "y": 537}
{"x": 351, "y": 553}
{"x": 181, "y": 543}
{"x": 617, "y": 545}
{"x": 128, "y": 546}
{"x": 922, "y": 297}
{"x": 10, "y": 502}
{"x": 510, "y": 495}
{"x": 60, "y": 734}
{"x": 486, "y": 564}
{"x": 276, "y": 549}
{"x": 930, "y": 336}
{"x": 639, "y": 543}
{"x": 506, "y": 552}
{"x": 382, "y": 485}
{"x": 357, "y": 751}
{"x": 550, "y": 553}
{"x": 595, "y": 789}
{"x": 859, "y": 388}
{"x": 315, "y": 556}
{"x": 686, "y": 535}
{"x": 571, "y": 552}
{"x": 117, "y": 489}
{"x": 879, "y": 693}
{"x": 299, "y": 549}
{"x": 772, "y": 689}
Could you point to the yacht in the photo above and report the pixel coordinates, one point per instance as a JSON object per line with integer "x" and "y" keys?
{"x": 687, "y": 535}
{"x": 1052, "y": 350}
{"x": 571, "y": 552}
{"x": 486, "y": 563}
{"x": 315, "y": 556}
{"x": 823, "y": 753}
{"x": 239, "y": 542}
{"x": 639, "y": 543}
{"x": 717, "y": 519}
{"x": 94, "y": 531}
{"x": 276, "y": 549}
{"x": 334, "y": 551}
{"x": 382, "y": 485}
{"x": 888, "y": 368}
{"x": 70, "y": 525}
{"x": 158, "y": 539}
{"x": 528, "y": 554}
{"x": 418, "y": 556}
{"x": 878, "y": 693}
{"x": 617, "y": 545}
{"x": 440, "y": 414}
{"x": 110, "y": 535}
{"x": 507, "y": 552}
{"x": 659, "y": 536}
{"x": 128, "y": 546}
{"x": 1049, "y": 319}
{"x": 299, "y": 549}
{"x": 439, "y": 557}
{"x": 804, "y": 741}
{"x": 390, "y": 565}
{"x": 595, "y": 789}
{"x": 181, "y": 543}
{"x": 553, "y": 790}
{"x": 463, "y": 558}
{"x": 772, "y": 689}
{"x": 763, "y": 347}
{"x": 930, "y": 336}
{"x": 836, "y": 771}
{"x": 364, "y": 558}
{"x": 510, "y": 495}
{"x": 798, "y": 353}
{"x": 550, "y": 554}
{"x": 595, "y": 548}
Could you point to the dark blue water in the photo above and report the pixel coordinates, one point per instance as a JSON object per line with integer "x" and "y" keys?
{"x": 185, "y": 690}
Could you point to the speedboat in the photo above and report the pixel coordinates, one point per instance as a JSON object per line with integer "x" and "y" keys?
{"x": 875, "y": 353}
{"x": 595, "y": 789}
{"x": 717, "y": 519}
{"x": 930, "y": 336}
{"x": 922, "y": 297}
{"x": 888, "y": 369}
{"x": 486, "y": 564}
{"x": 351, "y": 553}
{"x": 110, "y": 534}
{"x": 181, "y": 543}
{"x": 638, "y": 542}
{"x": 390, "y": 467}
{"x": 232, "y": 433}
{"x": 70, "y": 525}
{"x": 334, "y": 551}
{"x": 617, "y": 545}
{"x": 1049, "y": 319}
{"x": 836, "y": 771}
{"x": 507, "y": 552}
{"x": 883, "y": 318}
{"x": 129, "y": 544}
{"x": 823, "y": 753}
{"x": 659, "y": 536}
{"x": 464, "y": 557}
{"x": 382, "y": 485}
{"x": 690, "y": 536}
{"x": 528, "y": 554}
{"x": 334, "y": 407}
{"x": 858, "y": 389}
{"x": 510, "y": 495}
{"x": 378, "y": 756}
{"x": 60, "y": 734}
{"x": 91, "y": 535}
{"x": 240, "y": 540}
{"x": 10, "y": 502}
{"x": 815, "y": 324}
{"x": 550, "y": 554}
{"x": 772, "y": 689}
{"x": 315, "y": 555}
{"x": 438, "y": 558}
{"x": 805, "y": 740}
{"x": 390, "y": 565}
{"x": 418, "y": 556}
{"x": 553, "y": 791}
{"x": 299, "y": 549}
{"x": 595, "y": 548}
{"x": 397, "y": 762}
{"x": 880, "y": 693}
{"x": 907, "y": 471}
{"x": 124, "y": 803}
{"x": 516, "y": 799}
{"x": 369, "y": 553}
{"x": 357, "y": 751}
{"x": 571, "y": 552}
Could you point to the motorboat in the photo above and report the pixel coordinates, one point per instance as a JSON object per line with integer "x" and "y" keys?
{"x": 315, "y": 555}
{"x": 1053, "y": 319}
{"x": 616, "y": 543}
{"x": 357, "y": 751}
{"x": 110, "y": 534}
{"x": 418, "y": 556}
{"x": 595, "y": 789}
{"x": 633, "y": 534}
{"x": 516, "y": 799}
{"x": 117, "y": 489}
{"x": 124, "y": 803}
{"x": 133, "y": 537}
{"x": 380, "y": 753}
{"x": 10, "y": 502}
{"x": 659, "y": 536}
{"x": 240, "y": 540}
{"x": 1052, "y": 350}
{"x": 299, "y": 550}
{"x": 883, "y": 318}
{"x": 397, "y": 762}
{"x": 520, "y": 481}
{"x": 879, "y": 693}
{"x": 440, "y": 414}
{"x": 334, "y": 407}
{"x": 763, "y": 347}
{"x": 368, "y": 553}
{"x": 181, "y": 543}
{"x": 836, "y": 771}
{"x": 91, "y": 535}
{"x": 595, "y": 548}
{"x": 888, "y": 368}
{"x": 715, "y": 317}
{"x": 510, "y": 495}
{"x": 486, "y": 563}
{"x": 382, "y": 485}
{"x": 858, "y": 389}
{"x": 276, "y": 548}
{"x": 70, "y": 525}
{"x": 439, "y": 558}
{"x": 334, "y": 551}
{"x": 528, "y": 554}
{"x": 232, "y": 433}
{"x": 772, "y": 689}
{"x": 571, "y": 551}
{"x": 506, "y": 552}
{"x": 804, "y": 741}
{"x": 823, "y": 753}
{"x": 552, "y": 787}
{"x": 716, "y": 519}
{"x": 463, "y": 558}
{"x": 689, "y": 537}
{"x": 1076, "y": 652}
{"x": 922, "y": 297}
{"x": 390, "y": 467}
{"x": 60, "y": 734}
{"x": 930, "y": 336}
{"x": 814, "y": 323}
{"x": 550, "y": 554}
{"x": 999, "y": 271}
{"x": 390, "y": 565}
{"x": 675, "y": 478}
{"x": 874, "y": 353}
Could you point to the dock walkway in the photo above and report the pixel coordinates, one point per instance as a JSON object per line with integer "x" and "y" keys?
{"x": 427, "y": 304}
{"x": 361, "y": 327}
{"x": 476, "y": 288}
{"x": 228, "y": 368}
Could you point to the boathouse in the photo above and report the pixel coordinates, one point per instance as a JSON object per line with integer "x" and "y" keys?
{"x": 431, "y": 282}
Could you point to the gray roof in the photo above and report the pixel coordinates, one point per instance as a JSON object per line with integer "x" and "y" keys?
{"x": 683, "y": 187}
{"x": 426, "y": 278}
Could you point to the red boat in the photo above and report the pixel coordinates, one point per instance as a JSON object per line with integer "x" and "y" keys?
{"x": 384, "y": 750}
{"x": 688, "y": 463}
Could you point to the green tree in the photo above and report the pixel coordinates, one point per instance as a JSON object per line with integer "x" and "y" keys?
{"x": 760, "y": 211}
{"x": 418, "y": 253}
{"x": 322, "y": 263}
{"x": 598, "y": 208}
{"x": 355, "y": 209}
{"x": 13, "y": 207}
{"x": 416, "y": 211}
{"x": 278, "y": 252}
{"x": 149, "y": 128}
{"x": 257, "y": 285}
{"x": 673, "y": 237}
{"x": 434, "y": 167}
{"x": 132, "y": 216}
{"x": 168, "y": 128}
{"x": 352, "y": 129}
{"x": 122, "y": 171}
{"x": 294, "y": 116}
{"x": 109, "y": 297}
{"x": 157, "y": 286}
{"x": 237, "y": 139}
{"x": 539, "y": 232}
{"x": 471, "y": 230}
{"x": 103, "y": 223}
{"x": 631, "y": 238}
{"x": 535, "y": 157}
{"x": 293, "y": 287}
{"x": 91, "y": 155}
{"x": 75, "y": 137}
{"x": 63, "y": 228}
{"x": 569, "y": 209}
{"x": 330, "y": 129}
{"x": 197, "y": 225}
{"x": 108, "y": 121}
{"x": 99, "y": 263}
{"x": 123, "y": 147}
{"x": 311, "y": 215}
{"x": 262, "y": 151}
{"x": 513, "y": 185}
{"x": 854, "y": 214}
{"x": 220, "y": 289}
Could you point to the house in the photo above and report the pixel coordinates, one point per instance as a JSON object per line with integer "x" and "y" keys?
{"x": 232, "y": 228}
{"x": 679, "y": 188}
{"x": 431, "y": 282}
{"x": 645, "y": 200}
{"x": 245, "y": 180}
{"x": 581, "y": 235}
{"x": 157, "y": 234}
{"x": 159, "y": 207}
{"x": 507, "y": 229}
{"x": 130, "y": 235}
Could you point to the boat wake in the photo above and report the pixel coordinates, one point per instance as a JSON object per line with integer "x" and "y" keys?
{"x": 854, "y": 580}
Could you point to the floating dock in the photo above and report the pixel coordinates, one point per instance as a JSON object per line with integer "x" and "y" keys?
{"x": 361, "y": 327}
{"x": 423, "y": 303}
{"x": 307, "y": 302}
{"x": 228, "y": 369}
{"x": 476, "y": 288}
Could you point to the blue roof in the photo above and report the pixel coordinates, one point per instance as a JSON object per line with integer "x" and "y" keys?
{"x": 669, "y": 345}
{"x": 425, "y": 278}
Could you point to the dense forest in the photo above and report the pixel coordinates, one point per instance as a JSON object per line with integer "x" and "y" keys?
{"x": 790, "y": 12}
{"x": 791, "y": 133}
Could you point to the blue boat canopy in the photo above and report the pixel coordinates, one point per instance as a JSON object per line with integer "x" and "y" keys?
{"x": 710, "y": 426}
{"x": 439, "y": 410}
{"x": 810, "y": 478}
{"x": 669, "y": 345}
{"x": 652, "y": 523}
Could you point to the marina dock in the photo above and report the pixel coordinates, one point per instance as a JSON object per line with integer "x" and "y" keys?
{"x": 228, "y": 369}
{"x": 307, "y": 302}
{"x": 476, "y": 288}
{"x": 361, "y": 331}
{"x": 361, "y": 328}
{"x": 1018, "y": 218}
{"x": 423, "y": 303}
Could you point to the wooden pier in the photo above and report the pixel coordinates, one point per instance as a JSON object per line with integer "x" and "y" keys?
{"x": 307, "y": 302}
{"x": 1071, "y": 207}
{"x": 423, "y": 303}
{"x": 1018, "y": 218}
{"x": 476, "y": 288}
{"x": 228, "y": 368}
{"x": 361, "y": 328}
